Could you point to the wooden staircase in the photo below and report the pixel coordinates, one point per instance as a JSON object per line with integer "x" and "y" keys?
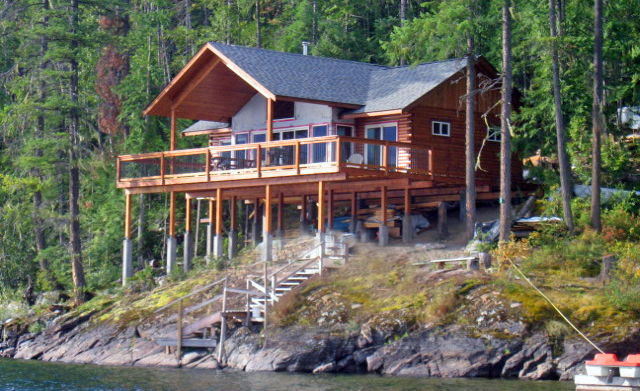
{"x": 260, "y": 291}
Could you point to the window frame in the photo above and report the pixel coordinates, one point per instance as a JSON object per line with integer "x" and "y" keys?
{"x": 494, "y": 134}
{"x": 440, "y": 123}
{"x": 393, "y": 159}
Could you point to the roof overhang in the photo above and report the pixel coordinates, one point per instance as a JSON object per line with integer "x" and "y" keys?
{"x": 210, "y": 87}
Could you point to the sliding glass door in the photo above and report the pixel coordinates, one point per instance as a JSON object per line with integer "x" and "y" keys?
{"x": 383, "y": 132}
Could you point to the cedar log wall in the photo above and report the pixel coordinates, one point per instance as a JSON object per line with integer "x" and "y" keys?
{"x": 444, "y": 104}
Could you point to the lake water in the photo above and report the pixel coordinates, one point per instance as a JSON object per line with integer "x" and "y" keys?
{"x": 34, "y": 375}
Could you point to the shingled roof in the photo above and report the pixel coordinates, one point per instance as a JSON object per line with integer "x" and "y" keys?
{"x": 373, "y": 87}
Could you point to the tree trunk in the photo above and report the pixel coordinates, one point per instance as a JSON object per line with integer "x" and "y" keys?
{"x": 470, "y": 155}
{"x": 403, "y": 17}
{"x": 563, "y": 159}
{"x": 77, "y": 271}
{"x": 258, "y": 37}
{"x": 597, "y": 119}
{"x": 505, "y": 125}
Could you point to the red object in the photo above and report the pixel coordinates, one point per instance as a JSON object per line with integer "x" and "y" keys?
{"x": 632, "y": 360}
{"x": 606, "y": 359}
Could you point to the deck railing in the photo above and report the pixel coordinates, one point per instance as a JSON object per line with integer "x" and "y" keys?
{"x": 276, "y": 158}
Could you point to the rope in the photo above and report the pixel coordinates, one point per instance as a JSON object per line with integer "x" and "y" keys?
{"x": 555, "y": 308}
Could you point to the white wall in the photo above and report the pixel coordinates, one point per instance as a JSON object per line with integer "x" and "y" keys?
{"x": 253, "y": 116}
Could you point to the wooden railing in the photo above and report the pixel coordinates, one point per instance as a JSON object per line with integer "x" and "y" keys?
{"x": 276, "y": 158}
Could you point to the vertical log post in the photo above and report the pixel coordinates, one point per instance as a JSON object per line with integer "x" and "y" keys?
{"x": 188, "y": 247}
{"x": 321, "y": 207}
{"x": 354, "y": 212}
{"x": 254, "y": 225}
{"x": 331, "y": 211}
{"x": 280, "y": 232}
{"x": 127, "y": 244}
{"x": 267, "y": 250}
{"x": 443, "y": 232}
{"x": 171, "y": 241}
{"x": 233, "y": 231}
{"x": 407, "y": 223}
{"x": 210, "y": 230}
{"x": 383, "y": 230}
{"x": 218, "y": 241}
{"x": 269, "y": 120}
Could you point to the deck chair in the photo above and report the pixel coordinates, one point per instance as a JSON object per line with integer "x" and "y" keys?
{"x": 356, "y": 158}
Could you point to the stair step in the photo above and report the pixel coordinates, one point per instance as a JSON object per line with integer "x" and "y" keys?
{"x": 290, "y": 283}
{"x": 188, "y": 342}
{"x": 283, "y": 289}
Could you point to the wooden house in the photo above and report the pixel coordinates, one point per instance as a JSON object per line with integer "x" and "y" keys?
{"x": 289, "y": 128}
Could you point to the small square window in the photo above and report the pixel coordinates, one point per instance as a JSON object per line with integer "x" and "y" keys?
{"x": 493, "y": 134}
{"x": 439, "y": 128}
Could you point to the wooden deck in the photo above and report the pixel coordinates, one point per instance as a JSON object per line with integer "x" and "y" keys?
{"x": 299, "y": 161}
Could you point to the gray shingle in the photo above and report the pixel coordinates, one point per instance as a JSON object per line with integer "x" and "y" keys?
{"x": 375, "y": 87}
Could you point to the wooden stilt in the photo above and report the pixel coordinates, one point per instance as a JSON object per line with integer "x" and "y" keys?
{"x": 232, "y": 213}
{"x": 303, "y": 212}
{"x": 442, "y": 220}
{"x": 197, "y": 234}
{"x": 172, "y": 214}
{"x": 127, "y": 216}
{"x": 187, "y": 214}
{"x": 281, "y": 213}
{"x": 254, "y": 228}
{"x": 267, "y": 209}
{"x": 219, "y": 206}
{"x": 354, "y": 211}
{"x": 383, "y": 204}
{"x": 179, "y": 336}
{"x": 269, "y": 120}
{"x": 407, "y": 202}
{"x": 330, "y": 216}
{"x": 321, "y": 206}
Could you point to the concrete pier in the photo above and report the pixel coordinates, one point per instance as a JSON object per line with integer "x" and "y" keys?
{"x": 127, "y": 260}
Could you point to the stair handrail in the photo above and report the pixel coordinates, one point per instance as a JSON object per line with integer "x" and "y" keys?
{"x": 291, "y": 274}
{"x": 293, "y": 261}
{"x": 262, "y": 289}
{"x": 199, "y": 290}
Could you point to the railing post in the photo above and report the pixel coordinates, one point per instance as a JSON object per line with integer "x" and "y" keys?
{"x": 385, "y": 157}
{"x": 321, "y": 260}
{"x": 430, "y": 160}
{"x": 273, "y": 286}
{"x": 162, "y": 167}
{"x": 297, "y": 157}
{"x": 223, "y": 323}
{"x": 179, "y": 338}
{"x": 208, "y": 164}
{"x": 259, "y": 160}
{"x": 248, "y": 306}
{"x": 338, "y": 153}
{"x": 118, "y": 169}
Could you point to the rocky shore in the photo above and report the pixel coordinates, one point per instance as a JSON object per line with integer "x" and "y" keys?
{"x": 439, "y": 351}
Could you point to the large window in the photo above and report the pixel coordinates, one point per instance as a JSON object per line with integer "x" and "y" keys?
{"x": 319, "y": 154}
{"x": 439, "y": 128}
{"x": 384, "y": 132}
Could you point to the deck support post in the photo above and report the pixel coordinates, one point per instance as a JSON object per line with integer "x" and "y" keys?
{"x": 354, "y": 212}
{"x": 462, "y": 217}
{"x": 218, "y": 241}
{"x": 127, "y": 245}
{"x": 254, "y": 223}
{"x": 443, "y": 232}
{"x": 280, "y": 230}
{"x": 321, "y": 206}
{"x": 269, "y": 120}
{"x": 233, "y": 233}
{"x": 210, "y": 230}
{"x": 172, "y": 244}
{"x": 267, "y": 242}
{"x": 407, "y": 226}
{"x": 383, "y": 230}
{"x": 303, "y": 214}
{"x": 188, "y": 245}
{"x": 331, "y": 211}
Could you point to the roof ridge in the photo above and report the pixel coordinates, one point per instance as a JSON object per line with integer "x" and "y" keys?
{"x": 302, "y": 55}
{"x": 426, "y": 63}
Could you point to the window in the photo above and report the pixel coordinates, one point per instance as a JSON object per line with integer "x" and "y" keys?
{"x": 240, "y": 139}
{"x": 493, "y": 134}
{"x": 319, "y": 149}
{"x": 373, "y": 153}
{"x": 283, "y": 109}
{"x": 439, "y": 128}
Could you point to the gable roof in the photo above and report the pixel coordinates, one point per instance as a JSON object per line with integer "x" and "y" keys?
{"x": 361, "y": 87}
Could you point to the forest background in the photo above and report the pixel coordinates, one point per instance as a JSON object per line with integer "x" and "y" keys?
{"x": 75, "y": 76}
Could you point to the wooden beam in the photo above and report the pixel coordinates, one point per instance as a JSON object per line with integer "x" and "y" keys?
{"x": 211, "y": 211}
{"x": 172, "y": 214}
{"x": 321, "y": 206}
{"x": 193, "y": 83}
{"x": 219, "y": 205}
{"x": 269, "y": 120}
{"x": 127, "y": 216}
{"x": 267, "y": 209}
{"x": 372, "y": 114}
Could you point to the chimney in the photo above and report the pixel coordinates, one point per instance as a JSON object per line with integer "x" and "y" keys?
{"x": 305, "y": 48}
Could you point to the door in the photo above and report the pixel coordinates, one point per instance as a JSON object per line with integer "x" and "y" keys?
{"x": 383, "y": 132}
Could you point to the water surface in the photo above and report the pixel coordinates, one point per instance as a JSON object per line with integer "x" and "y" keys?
{"x": 18, "y": 375}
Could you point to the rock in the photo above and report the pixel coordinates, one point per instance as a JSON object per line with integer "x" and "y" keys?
{"x": 572, "y": 359}
{"x": 191, "y": 357}
{"x": 329, "y": 367}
